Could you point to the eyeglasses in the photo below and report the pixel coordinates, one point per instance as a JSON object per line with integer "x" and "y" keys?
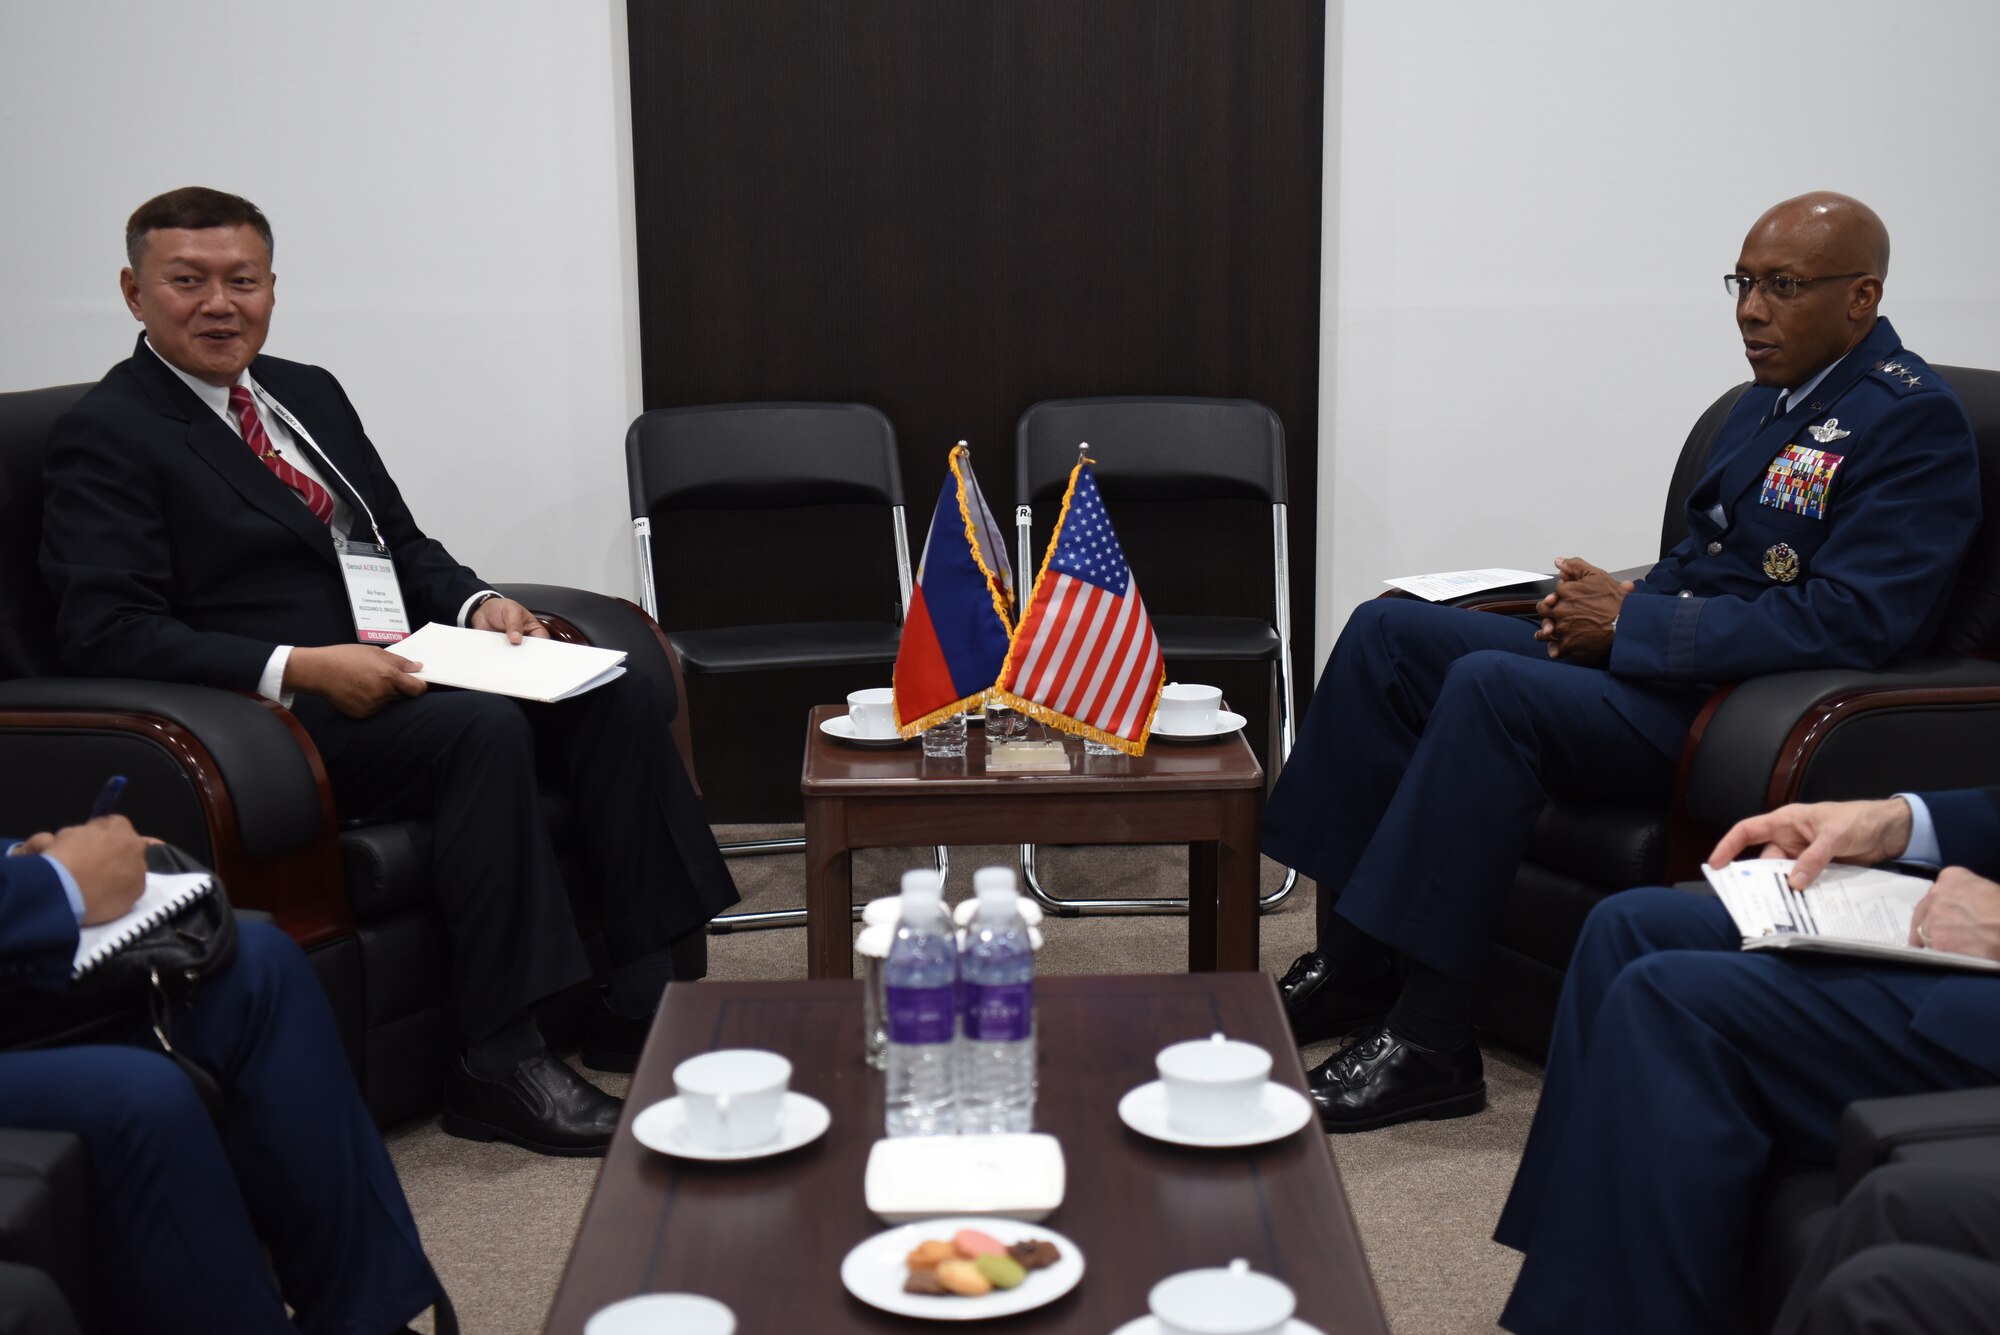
{"x": 1780, "y": 286}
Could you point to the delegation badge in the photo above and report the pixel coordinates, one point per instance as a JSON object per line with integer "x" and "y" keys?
{"x": 1799, "y": 480}
{"x": 1781, "y": 563}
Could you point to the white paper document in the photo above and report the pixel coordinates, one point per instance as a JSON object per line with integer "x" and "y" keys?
{"x": 534, "y": 669}
{"x": 1457, "y": 583}
{"x": 1847, "y": 911}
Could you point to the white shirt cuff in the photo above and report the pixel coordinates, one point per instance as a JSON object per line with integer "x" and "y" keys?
{"x": 465, "y": 608}
{"x": 272, "y": 684}
{"x": 1923, "y": 846}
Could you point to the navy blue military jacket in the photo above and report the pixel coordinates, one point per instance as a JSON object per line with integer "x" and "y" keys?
{"x": 37, "y": 928}
{"x": 1843, "y": 524}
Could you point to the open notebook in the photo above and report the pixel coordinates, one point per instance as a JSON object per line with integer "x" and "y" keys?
{"x": 164, "y": 896}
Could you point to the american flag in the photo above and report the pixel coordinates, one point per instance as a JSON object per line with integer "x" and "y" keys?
{"x": 1085, "y": 658}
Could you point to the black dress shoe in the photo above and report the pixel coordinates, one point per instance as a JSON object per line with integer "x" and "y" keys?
{"x": 1382, "y": 1080}
{"x": 1318, "y": 1005}
{"x": 611, "y": 1042}
{"x": 542, "y": 1106}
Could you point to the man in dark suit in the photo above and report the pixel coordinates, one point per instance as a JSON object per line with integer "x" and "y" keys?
{"x": 182, "y": 1208}
{"x": 1681, "y": 1063}
{"x": 1838, "y": 500}
{"x": 204, "y": 508}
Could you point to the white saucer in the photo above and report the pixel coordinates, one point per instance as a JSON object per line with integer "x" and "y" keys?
{"x": 663, "y": 1127}
{"x": 650, "y": 1313}
{"x": 1148, "y": 1325}
{"x": 1282, "y": 1111}
{"x": 1225, "y": 723}
{"x": 841, "y": 730}
{"x": 874, "y": 1271}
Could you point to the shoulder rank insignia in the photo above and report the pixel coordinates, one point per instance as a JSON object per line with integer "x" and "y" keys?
{"x": 1898, "y": 371}
{"x": 1781, "y": 563}
{"x": 1800, "y": 479}
{"x": 1828, "y": 431}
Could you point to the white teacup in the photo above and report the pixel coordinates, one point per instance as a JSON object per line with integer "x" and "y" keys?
{"x": 1235, "y": 1301}
{"x": 652, "y": 1313}
{"x": 872, "y": 713}
{"x": 732, "y": 1098}
{"x": 1214, "y": 1085}
{"x": 1187, "y": 708}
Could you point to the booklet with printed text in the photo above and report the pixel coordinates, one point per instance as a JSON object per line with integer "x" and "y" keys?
{"x": 1848, "y": 911}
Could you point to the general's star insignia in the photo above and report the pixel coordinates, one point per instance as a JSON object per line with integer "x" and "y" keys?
{"x": 1781, "y": 563}
{"x": 1912, "y": 381}
{"x": 1828, "y": 431}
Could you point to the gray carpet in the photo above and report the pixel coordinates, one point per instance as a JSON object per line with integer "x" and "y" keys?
{"x": 497, "y": 1221}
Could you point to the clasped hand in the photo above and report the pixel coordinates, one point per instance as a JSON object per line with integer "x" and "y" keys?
{"x": 1577, "y": 617}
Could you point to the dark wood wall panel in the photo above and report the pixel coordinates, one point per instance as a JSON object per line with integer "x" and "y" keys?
{"x": 951, "y": 209}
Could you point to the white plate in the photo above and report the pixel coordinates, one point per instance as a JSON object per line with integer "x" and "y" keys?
{"x": 663, "y": 1127}
{"x": 1148, "y": 1325}
{"x": 1225, "y": 723}
{"x": 874, "y": 1271}
{"x": 1280, "y": 1112}
{"x": 841, "y": 730}
{"x": 650, "y": 1313}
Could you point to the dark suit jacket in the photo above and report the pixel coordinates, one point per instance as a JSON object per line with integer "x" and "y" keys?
{"x": 175, "y": 554}
{"x": 1872, "y": 561}
{"x": 37, "y": 929}
{"x": 1960, "y": 1013}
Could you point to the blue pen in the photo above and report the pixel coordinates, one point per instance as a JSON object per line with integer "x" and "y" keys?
{"x": 107, "y": 796}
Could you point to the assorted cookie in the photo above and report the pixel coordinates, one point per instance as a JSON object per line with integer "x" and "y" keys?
{"x": 974, "y": 1264}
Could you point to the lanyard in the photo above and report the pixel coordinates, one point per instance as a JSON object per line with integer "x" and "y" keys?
{"x": 305, "y": 438}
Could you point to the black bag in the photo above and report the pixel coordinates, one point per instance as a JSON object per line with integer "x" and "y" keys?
{"x": 147, "y": 978}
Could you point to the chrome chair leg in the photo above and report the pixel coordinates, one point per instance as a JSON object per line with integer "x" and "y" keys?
{"x": 722, "y": 924}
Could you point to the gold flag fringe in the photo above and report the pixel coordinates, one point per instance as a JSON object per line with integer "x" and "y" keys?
{"x": 1042, "y": 713}
{"x": 959, "y": 453}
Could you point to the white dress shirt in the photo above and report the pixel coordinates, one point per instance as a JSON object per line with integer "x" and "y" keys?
{"x": 271, "y": 683}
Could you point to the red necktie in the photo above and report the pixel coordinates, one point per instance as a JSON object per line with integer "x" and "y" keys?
{"x": 312, "y": 493}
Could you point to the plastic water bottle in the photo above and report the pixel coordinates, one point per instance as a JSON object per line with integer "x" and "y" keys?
{"x": 996, "y": 1079}
{"x": 921, "y": 975}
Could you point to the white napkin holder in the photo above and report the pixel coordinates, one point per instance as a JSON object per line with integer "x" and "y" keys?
{"x": 921, "y": 1177}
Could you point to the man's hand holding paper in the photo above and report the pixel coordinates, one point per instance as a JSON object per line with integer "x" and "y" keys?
{"x": 1818, "y": 833}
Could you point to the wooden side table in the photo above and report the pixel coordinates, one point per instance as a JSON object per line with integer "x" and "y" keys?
{"x": 1202, "y": 794}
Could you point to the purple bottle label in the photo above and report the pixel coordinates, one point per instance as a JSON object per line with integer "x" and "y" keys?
{"x": 920, "y": 1014}
{"x": 999, "y": 1012}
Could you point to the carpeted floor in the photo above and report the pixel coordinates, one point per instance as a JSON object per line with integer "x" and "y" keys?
{"x": 498, "y": 1221}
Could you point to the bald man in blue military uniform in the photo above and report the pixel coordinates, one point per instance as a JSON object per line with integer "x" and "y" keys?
{"x": 1838, "y": 501}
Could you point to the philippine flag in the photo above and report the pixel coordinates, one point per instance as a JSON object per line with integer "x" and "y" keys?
{"x": 956, "y": 634}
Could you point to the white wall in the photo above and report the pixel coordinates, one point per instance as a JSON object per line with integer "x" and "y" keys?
{"x": 1531, "y": 206}
{"x": 1528, "y": 209}
{"x": 450, "y": 188}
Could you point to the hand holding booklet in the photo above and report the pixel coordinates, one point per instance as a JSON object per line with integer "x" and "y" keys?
{"x": 534, "y": 669}
{"x": 1862, "y": 911}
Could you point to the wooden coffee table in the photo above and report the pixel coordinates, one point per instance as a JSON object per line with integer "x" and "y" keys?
{"x": 1202, "y": 794}
{"x": 767, "y": 1236}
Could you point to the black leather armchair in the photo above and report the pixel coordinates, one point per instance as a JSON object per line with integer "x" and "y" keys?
{"x": 234, "y": 779}
{"x": 1931, "y": 722}
{"x": 44, "y": 1233}
{"x": 1956, "y": 1129}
